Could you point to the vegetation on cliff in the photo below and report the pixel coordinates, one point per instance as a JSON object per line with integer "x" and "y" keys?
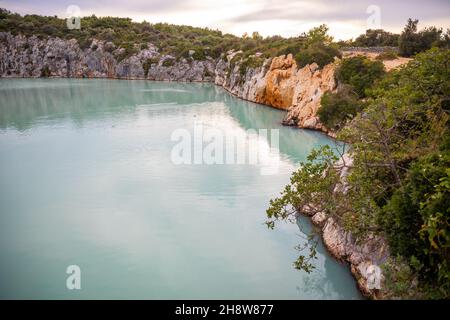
{"x": 177, "y": 40}
{"x": 398, "y": 186}
{"x": 339, "y": 107}
{"x": 396, "y": 124}
{"x": 356, "y": 75}
{"x": 360, "y": 73}
{"x": 410, "y": 41}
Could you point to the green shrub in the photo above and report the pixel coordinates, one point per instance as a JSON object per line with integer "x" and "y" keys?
{"x": 398, "y": 183}
{"x": 250, "y": 62}
{"x": 130, "y": 49}
{"x": 387, "y": 55}
{"x": 336, "y": 108}
{"x": 199, "y": 54}
{"x": 45, "y": 72}
{"x": 148, "y": 63}
{"x": 318, "y": 53}
{"x": 168, "y": 63}
{"x": 360, "y": 72}
{"x": 84, "y": 43}
{"x": 417, "y": 218}
{"x": 412, "y": 42}
{"x": 376, "y": 38}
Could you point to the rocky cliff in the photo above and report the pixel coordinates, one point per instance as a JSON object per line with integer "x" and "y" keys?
{"x": 277, "y": 82}
{"x": 364, "y": 257}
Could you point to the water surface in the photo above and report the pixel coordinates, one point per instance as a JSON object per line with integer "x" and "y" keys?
{"x": 86, "y": 179}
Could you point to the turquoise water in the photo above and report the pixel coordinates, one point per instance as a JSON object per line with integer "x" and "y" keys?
{"x": 86, "y": 179}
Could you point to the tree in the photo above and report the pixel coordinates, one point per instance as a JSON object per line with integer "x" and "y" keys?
{"x": 377, "y": 38}
{"x": 336, "y": 108}
{"x": 311, "y": 190}
{"x": 360, "y": 72}
{"x": 256, "y": 36}
{"x": 412, "y": 42}
{"x": 318, "y": 35}
{"x": 398, "y": 185}
{"x": 318, "y": 53}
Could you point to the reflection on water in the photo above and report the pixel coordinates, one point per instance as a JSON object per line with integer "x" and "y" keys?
{"x": 86, "y": 178}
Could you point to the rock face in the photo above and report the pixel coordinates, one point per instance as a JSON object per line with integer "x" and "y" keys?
{"x": 277, "y": 82}
{"x": 280, "y": 84}
{"x": 363, "y": 257}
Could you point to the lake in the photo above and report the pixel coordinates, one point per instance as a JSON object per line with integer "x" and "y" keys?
{"x": 87, "y": 179}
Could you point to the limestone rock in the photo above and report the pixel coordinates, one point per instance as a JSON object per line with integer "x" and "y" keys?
{"x": 276, "y": 83}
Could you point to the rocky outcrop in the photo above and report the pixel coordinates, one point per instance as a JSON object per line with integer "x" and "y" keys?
{"x": 280, "y": 84}
{"x": 364, "y": 257}
{"x": 277, "y": 82}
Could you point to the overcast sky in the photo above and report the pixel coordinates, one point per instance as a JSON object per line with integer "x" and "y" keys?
{"x": 346, "y": 18}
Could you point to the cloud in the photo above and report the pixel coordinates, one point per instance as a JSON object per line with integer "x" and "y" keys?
{"x": 346, "y": 18}
{"x": 392, "y": 12}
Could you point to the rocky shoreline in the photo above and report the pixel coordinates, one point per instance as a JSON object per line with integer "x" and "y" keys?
{"x": 274, "y": 82}
{"x": 278, "y": 83}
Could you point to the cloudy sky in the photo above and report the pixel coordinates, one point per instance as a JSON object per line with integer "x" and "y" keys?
{"x": 346, "y": 18}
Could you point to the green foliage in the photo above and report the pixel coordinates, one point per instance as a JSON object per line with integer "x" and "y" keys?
{"x": 377, "y": 38}
{"x": 168, "y": 63}
{"x": 45, "y": 72}
{"x": 417, "y": 218}
{"x": 250, "y": 62}
{"x": 399, "y": 182}
{"x": 336, "y": 108}
{"x": 401, "y": 159}
{"x": 387, "y": 55}
{"x": 318, "y": 35}
{"x": 316, "y": 47}
{"x": 360, "y": 72}
{"x": 147, "y": 64}
{"x": 256, "y": 36}
{"x": 318, "y": 53}
{"x": 310, "y": 190}
{"x": 199, "y": 54}
{"x": 401, "y": 279}
{"x": 175, "y": 40}
{"x": 412, "y": 42}
{"x": 129, "y": 50}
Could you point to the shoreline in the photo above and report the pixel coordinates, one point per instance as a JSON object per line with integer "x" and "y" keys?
{"x": 330, "y": 134}
{"x": 318, "y": 223}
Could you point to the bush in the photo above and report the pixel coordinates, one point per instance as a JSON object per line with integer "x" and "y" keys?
{"x": 417, "y": 219}
{"x": 168, "y": 63}
{"x": 199, "y": 54}
{"x": 412, "y": 42}
{"x": 398, "y": 183}
{"x": 360, "y": 72}
{"x": 318, "y": 53}
{"x": 250, "y": 62}
{"x": 146, "y": 65}
{"x": 377, "y": 38}
{"x": 45, "y": 72}
{"x": 387, "y": 55}
{"x": 337, "y": 108}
